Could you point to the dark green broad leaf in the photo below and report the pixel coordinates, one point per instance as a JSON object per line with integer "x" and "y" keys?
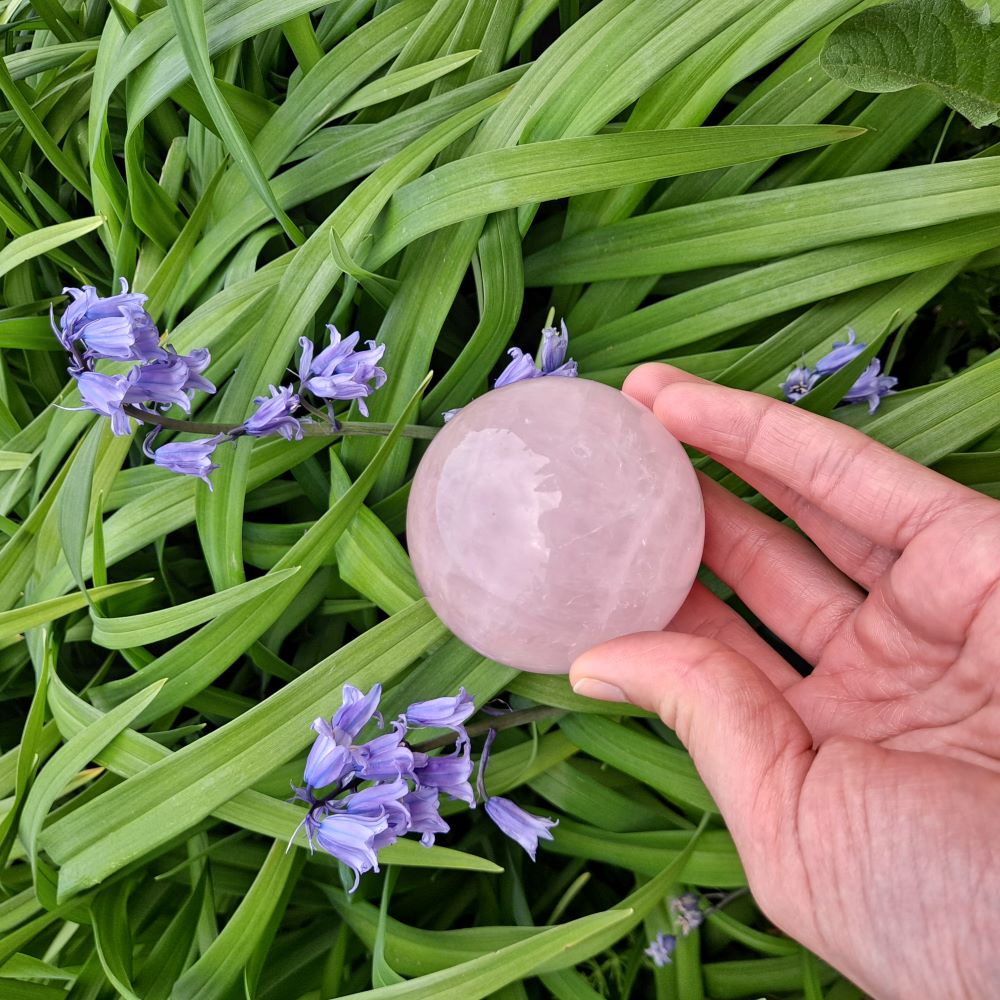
{"x": 940, "y": 44}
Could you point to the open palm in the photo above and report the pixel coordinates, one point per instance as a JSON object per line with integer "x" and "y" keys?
{"x": 864, "y": 798}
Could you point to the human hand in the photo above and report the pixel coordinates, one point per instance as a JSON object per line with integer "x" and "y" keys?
{"x": 864, "y": 799}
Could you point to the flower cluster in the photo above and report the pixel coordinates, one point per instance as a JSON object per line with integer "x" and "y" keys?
{"x": 118, "y": 328}
{"x": 688, "y": 915}
{"x": 869, "y": 387}
{"x": 376, "y": 791}
{"x": 552, "y": 361}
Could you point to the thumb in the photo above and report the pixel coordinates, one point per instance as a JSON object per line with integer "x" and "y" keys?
{"x": 750, "y": 748}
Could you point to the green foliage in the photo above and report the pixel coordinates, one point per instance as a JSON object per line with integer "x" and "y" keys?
{"x": 705, "y": 181}
{"x": 940, "y": 44}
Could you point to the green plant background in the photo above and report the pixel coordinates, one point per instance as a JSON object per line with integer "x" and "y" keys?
{"x": 678, "y": 178}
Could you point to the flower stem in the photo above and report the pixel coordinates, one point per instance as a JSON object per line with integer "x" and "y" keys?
{"x": 725, "y": 900}
{"x": 351, "y": 428}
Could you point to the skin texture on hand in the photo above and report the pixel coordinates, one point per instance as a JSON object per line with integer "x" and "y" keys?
{"x": 864, "y": 799}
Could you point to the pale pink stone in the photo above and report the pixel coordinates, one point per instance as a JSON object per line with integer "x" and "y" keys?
{"x": 551, "y": 515}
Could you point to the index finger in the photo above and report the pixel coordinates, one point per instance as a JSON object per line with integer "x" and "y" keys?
{"x": 865, "y": 485}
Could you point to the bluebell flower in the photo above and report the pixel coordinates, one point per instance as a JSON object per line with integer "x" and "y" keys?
{"x": 843, "y": 353}
{"x": 196, "y": 362}
{"x": 523, "y": 827}
{"x": 274, "y": 415}
{"x": 331, "y": 757}
{"x": 336, "y": 756}
{"x": 555, "y": 343}
{"x": 799, "y": 382}
{"x": 190, "y": 458}
{"x": 358, "y": 709}
{"x": 521, "y": 367}
{"x": 351, "y": 839}
{"x": 687, "y": 912}
{"x": 519, "y": 825}
{"x": 385, "y": 757}
{"x": 448, "y": 773}
{"x": 340, "y": 371}
{"x": 161, "y": 382}
{"x": 128, "y": 337}
{"x": 87, "y": 305}
{"x": 386, "y": 799}
{"x": 424, "y": 805}
{"x": 105, "y": 394}
{"x": 164, "y": 382}
{"x": 443, "y": 713}
{"x": 115, "y": 327}
{"x": 661, "y": 949}
{"x": 871, "y": 387}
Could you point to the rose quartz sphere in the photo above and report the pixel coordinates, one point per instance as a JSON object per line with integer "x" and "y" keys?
{"x": 551, "y": 515}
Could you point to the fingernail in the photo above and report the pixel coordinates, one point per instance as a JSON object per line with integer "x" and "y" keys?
{"x": 590, "y": 687}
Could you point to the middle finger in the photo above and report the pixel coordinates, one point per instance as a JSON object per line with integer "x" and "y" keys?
{"x": 853, "y": 553}
{"x": 781, "y": 576}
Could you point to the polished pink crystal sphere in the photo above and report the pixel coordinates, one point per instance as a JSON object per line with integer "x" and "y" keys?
{"x": 551, "y": 515}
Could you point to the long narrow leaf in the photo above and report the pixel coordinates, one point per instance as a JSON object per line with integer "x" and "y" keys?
{"x": 507, "y": 178}
{"x": 139, "y": 630}
{"x": 20, "y": 619}
{"x": 189, "y": 19}
{"x": 33, "y": 245}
